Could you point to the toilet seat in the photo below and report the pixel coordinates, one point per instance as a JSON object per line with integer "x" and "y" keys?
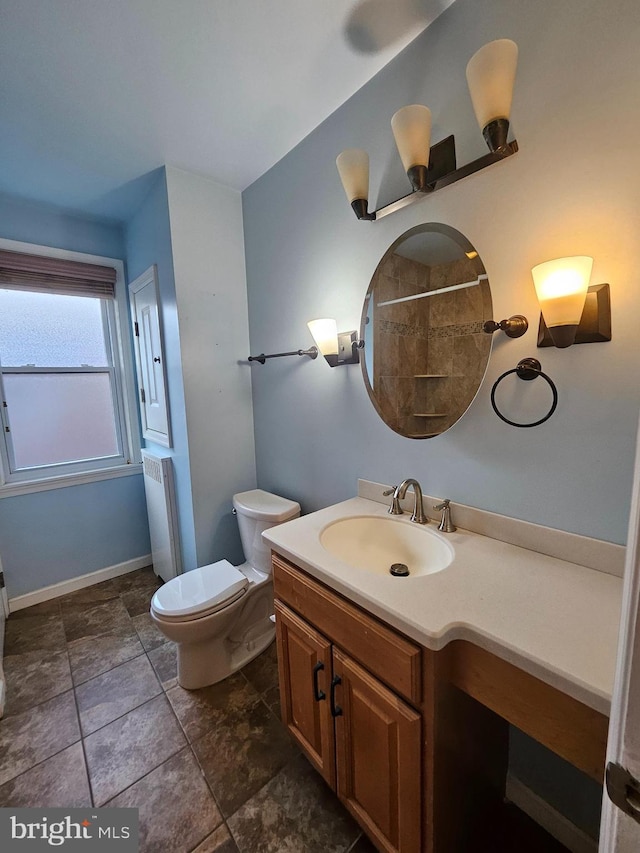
{"x": 199, "y": 592}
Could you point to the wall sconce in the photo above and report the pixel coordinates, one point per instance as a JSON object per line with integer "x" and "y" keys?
{"x": 490, "y": 74}
{"x": 337, "y": 347}
{"x": 562, "y": 287}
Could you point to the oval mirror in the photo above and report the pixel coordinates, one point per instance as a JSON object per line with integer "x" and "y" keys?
{"x": 425, "y": 353}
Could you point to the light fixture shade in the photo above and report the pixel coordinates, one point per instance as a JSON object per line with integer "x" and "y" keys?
{"x": 353, "y": 168}
{"x": 561, "y": 286}
{"x": 325, "y": 334}
{"x": 412, "y": 131}
{"x": 491, "y": 73}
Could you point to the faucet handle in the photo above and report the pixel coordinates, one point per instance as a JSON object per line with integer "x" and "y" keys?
{"x": 395, "y": 508}
{"x": 446, "y": 525}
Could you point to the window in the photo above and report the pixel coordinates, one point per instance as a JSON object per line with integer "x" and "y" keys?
{"x": 62, "y": 376}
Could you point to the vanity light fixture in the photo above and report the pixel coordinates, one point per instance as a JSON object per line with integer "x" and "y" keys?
{"x": 572, "y": 312}
{"x": 337, "y": 347}
{"x": 490, "y": 74}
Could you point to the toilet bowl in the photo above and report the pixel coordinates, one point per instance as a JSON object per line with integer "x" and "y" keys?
{"x": 220, "y": 615}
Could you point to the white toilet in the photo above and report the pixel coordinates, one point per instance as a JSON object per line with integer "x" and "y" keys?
{"x": 219, "y": 615}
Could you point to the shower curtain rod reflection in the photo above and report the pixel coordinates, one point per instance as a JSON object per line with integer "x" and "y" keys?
{"x": 312, "y": 352}
{"x": 452, "y": 287}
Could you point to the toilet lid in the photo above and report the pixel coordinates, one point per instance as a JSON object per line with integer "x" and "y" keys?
{"x": 199, "y": 590}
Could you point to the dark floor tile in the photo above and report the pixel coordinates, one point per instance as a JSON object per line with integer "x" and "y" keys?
{"x": 35, "y": 735}
{"x": 176, "y": 809}
{"x": 272, "y": 700}
{"x": 507, "y": 828}
{"x": 108, "y": 617}
{"x": 242, "y": 753}
{"x": 150, "y": 635}
{"x": 122, "y": 752}
{"x": 137, "y": 601}
{"x": 34, "y": 677}
{"x": 201, "y": 710}
{"x": 92, "y": 656}
{"x": 140, "y": 578}
{"x": 262, "y": 671}
{"x": 219, "y": 841}
{"x": 95, "y": 594}
{"x": 45, "y": 608}
{"x": 116, "y": 692}
{"x": 34, "y": 633}
{"x": 295, "y": 811}
{"x": 165, "y": 662}
{"x": 58, "y": 782}
{"x": 363, "y": 845}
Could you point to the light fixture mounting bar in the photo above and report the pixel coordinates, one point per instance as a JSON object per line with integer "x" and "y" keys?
{"x": 443, "y": 180}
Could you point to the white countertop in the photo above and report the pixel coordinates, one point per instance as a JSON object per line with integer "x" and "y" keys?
{"x": 556, "y": 620}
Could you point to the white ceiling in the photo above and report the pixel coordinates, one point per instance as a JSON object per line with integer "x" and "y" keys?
{"x": 96, "y": 94}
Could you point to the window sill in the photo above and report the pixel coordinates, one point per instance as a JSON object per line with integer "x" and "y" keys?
{"x": 9, "y": 490}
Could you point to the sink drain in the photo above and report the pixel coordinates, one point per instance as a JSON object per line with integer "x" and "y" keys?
{"x": 399, "y": 570}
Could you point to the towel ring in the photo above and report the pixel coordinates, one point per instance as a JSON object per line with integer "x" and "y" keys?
{"x": 527, "y": 369}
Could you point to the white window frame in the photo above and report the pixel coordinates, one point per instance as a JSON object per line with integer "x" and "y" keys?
{"x": 116, "y": 314}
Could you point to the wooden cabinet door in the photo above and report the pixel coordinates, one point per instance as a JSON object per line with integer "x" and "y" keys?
{"x": 378, "y": 749}
{"x": 304, "y": 669}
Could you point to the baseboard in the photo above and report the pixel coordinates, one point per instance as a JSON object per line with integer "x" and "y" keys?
{"x": 71, "y": 585}
{"x": 556, "y": 824}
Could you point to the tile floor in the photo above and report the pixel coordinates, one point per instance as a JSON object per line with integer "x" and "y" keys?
{"x": 95, "y": 716}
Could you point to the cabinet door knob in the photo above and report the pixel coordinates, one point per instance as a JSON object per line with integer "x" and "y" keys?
{"x": 336, "y": 710}
{"x": 318, "y": 694}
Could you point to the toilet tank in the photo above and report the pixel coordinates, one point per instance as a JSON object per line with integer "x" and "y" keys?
{"x": 256, "y": 511}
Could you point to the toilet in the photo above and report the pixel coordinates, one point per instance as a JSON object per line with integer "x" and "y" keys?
{"x": 220, "y": 615}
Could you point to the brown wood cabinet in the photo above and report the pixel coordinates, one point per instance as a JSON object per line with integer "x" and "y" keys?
{"x": 362, "y": 738}
{"x": 414, "y": 742}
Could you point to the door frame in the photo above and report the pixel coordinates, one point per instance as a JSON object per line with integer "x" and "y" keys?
{"x": 619, "y": 833}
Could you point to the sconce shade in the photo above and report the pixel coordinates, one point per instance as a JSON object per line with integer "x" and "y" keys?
{"x": 325, "y": 334}
{"x": 561, "y": 286}
{"x": 412, "y": 131}
{"x": 491, "y": 73}
{"x": 353, "y": 168}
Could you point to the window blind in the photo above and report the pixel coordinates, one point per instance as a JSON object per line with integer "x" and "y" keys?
{"x": 20, "y": 271}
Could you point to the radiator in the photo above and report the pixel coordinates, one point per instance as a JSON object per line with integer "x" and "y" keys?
{"x": 163, "y": 516}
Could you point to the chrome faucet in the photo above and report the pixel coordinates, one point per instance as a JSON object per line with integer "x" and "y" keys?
{"x": 446, "y": 525}
{"x": 398, "y": 494}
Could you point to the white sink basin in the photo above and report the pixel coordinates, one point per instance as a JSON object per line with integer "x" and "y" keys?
{"x": 374, "y": 544}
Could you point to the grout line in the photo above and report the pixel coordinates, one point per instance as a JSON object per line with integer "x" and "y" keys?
{"x": 84, "y": 751}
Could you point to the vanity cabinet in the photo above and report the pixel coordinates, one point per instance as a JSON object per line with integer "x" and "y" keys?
{"x": 413, "y": 741}
{"x": 360, "y": 735}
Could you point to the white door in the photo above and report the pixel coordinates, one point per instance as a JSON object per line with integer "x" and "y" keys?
{"x": 152, "y": 378}
{"x": 4, "y": 612}
{"x": 620, "y": 833}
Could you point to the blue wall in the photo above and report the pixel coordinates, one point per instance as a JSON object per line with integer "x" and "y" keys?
{"x": 51, "y": 536}
{"x": 148, "y": 241}
{"x": 48, "y": 226}
{"x": 307, "y": 256}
